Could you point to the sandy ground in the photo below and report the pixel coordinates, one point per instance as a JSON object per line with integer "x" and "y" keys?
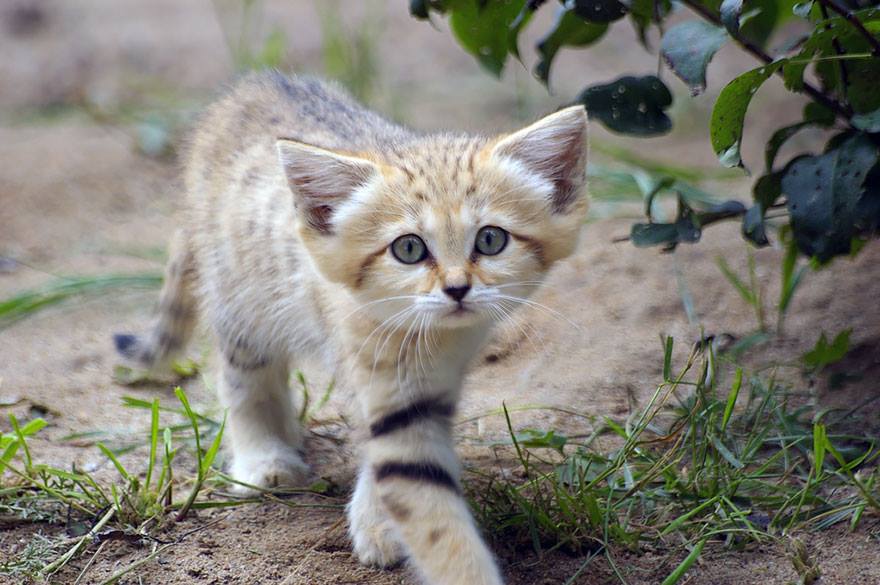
{"x": 76, "y": 198}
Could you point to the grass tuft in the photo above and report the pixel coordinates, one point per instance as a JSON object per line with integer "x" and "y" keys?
{"x": 697, "y": 464}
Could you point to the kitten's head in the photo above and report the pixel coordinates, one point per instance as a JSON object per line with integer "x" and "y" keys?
{"x": 448, "y": 231}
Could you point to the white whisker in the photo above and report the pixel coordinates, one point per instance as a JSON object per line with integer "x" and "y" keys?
{"x": 538, "y": 305}
{"x": 376, "y": 302}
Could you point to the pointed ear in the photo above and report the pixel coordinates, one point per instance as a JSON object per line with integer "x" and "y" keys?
{"x": 555, "y": 148}
{"x": 321, "y": 180}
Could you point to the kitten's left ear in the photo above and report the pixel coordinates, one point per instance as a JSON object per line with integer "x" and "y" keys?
{"x": 555, "y": 148}
{"x": 321, "y": 180}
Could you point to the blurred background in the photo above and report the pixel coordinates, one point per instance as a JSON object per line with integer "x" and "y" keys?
{"x": 97, "y": 95}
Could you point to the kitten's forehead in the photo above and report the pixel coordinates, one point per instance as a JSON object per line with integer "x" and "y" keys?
{"x": 439, "y": 169}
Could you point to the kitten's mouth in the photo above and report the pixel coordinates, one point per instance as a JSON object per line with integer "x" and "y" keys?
{"x": 459, "y": 311}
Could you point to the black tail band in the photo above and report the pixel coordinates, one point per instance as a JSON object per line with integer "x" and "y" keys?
{"x": 400, "y": 419}
{"x": 416, "y": 471}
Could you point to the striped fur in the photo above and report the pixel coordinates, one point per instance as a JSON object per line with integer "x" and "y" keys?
{"x": 294, "y": 194}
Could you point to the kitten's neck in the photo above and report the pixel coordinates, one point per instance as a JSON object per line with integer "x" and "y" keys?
{"x": 408, "y": 365}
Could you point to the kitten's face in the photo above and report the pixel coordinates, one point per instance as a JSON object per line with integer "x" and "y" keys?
{"x": 451, "y": 232}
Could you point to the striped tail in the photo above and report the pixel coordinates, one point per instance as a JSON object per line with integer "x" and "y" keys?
{"x": 175, "y": 319}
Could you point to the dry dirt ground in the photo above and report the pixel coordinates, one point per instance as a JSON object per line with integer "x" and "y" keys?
{"x": 77, "y": 198}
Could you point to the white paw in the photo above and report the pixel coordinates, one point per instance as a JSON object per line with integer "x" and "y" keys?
{"x": 377, "y": 545}
{"x": 279, "y": 468}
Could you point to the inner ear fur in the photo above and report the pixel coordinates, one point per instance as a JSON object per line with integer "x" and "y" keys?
{"x": 321, "y": 180}
{"x": 555, "y": 148}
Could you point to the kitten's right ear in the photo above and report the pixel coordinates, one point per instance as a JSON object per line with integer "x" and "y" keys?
{"x": 321, "y": 180}
{"x": 555, "y": 148}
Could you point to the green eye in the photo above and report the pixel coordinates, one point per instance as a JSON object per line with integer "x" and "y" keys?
{"x": 490, "y": 240}
{"x": 409, "y": 249}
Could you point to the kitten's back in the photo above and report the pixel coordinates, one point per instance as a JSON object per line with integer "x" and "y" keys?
{"x": 266, "y": 106}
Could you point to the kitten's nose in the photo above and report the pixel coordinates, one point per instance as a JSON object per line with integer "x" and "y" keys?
{"x": 457, "y": 293}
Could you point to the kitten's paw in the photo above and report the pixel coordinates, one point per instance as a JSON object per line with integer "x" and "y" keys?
{"x": 377, "y": 545}
{"x": 270, "y": 470}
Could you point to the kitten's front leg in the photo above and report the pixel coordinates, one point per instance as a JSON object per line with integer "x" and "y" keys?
{"x": 413, "y": 472}
{"x": 262, "y": 424}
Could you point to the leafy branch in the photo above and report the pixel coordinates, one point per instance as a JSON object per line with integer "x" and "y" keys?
{"x": 855, "y": 22}
{"x": 831, "y": 200}
{"x": 815, "y": 93}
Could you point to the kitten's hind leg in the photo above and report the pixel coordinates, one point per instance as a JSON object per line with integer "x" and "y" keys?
{"x": 262, "y": 423}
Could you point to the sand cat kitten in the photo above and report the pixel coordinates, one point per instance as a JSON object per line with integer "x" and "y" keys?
{"x": 313, "y": 226}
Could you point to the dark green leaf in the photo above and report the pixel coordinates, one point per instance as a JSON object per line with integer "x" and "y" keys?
{"x": 688, "y": 47}
{"x": 522, "y": 19}
{"x": 768, "y": 189}
{"x": 827, "y": 199}
{"x": 688, "y": 228}
{"x": 644, "y": 235}
{"x": 630, "y": 105}
{"x": 597, "y": 11}
{"x": 483, "y": 32}
{"x": 825, "y": 353}
{"x": 569, "y": 30}
{"x": 864, "y": 79}
{"x": 778, "y": 139}
{"x": 644, "y": 12}
{"x": 818, "y": 114}
{"x": 762, "y": 18}
{"x": 718, "y": 211}
{"x": 869, "y": 122}
{"x": 535, "y": 439}
{"x": 685, "y": 229}
{"x": 753, "y": 226}
{"x": 730, "y": 12}
{"x": 863, "y": 73}
{"x": 729, "y": 113}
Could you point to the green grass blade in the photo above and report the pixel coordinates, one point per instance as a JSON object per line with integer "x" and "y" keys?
{"x": 212, "y": 450}
{"x": 118, "y": 464}
{"x": 32, "y": 301}
{"x": 193, "y": 420}
{"x": 676, "y": 575}
{"x": 22, "y": 440}
{"x": 8, "y": 454}
{"x": 33, "y": 426}
{"x": 667, "y": 359}
{"x": 677, "y": 523}
{"x": 743, "y": 290}
{"x": 731, "y": 399}
{"x": 820, "y": 440}
{"x": 154, "y": 441}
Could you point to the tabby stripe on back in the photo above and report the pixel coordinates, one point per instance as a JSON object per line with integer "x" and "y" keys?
{"x": 400, "y": 419}
{"x": 415, "y": 471}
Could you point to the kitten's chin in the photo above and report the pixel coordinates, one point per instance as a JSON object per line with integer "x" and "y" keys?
{"x": 462, "y": 318}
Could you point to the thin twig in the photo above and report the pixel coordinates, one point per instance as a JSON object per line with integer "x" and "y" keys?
{"x": 816, "y": 94}
{"x": 855, "y": 22}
